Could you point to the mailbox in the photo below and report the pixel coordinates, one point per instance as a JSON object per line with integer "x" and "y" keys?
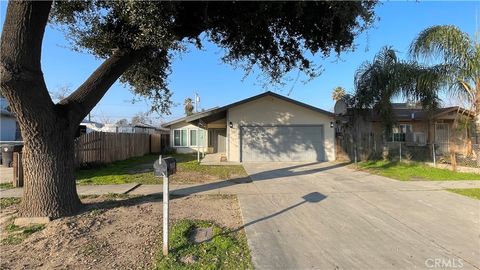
{"x": 165, "y": 166}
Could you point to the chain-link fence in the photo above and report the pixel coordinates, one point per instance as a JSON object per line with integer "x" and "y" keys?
{"x": 446, "y": 154}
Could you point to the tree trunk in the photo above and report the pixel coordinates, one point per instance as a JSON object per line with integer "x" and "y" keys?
{"x": 48, "y": 161}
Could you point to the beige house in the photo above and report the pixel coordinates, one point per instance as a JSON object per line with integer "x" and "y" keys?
{"x": 266, "y": 127}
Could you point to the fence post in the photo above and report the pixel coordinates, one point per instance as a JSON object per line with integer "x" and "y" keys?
{"x": 433, "y": 154}
{"x": 400, "y": 151}
{"x": 17, "y": 170}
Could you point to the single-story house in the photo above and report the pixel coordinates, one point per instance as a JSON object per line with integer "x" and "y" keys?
{"x": 444, "y": 127}
{"x": 88, "y": 126}
{"x": 266, "y": 127}
{"x": 9, "y": 128}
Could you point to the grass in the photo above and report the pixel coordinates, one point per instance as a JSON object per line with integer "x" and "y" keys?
{"x": 469, "y": 192}
{"x": 17, "y": 234}
{"x": 226, "y": 249}
{"x": 6, "y": 185}
{"x": 5, "y": 202}
{"x": 414, "y": 171}
{"x": 140, "y": 170}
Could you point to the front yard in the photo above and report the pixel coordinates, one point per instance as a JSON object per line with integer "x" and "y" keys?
{"x": 125, "y": 232}
{"x": 140, "y": 170}
{"x": 413, "y": 171}
{"x": 469, "y": 192}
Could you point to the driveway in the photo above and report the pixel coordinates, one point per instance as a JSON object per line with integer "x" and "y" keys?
{"x": 328, "y": 216}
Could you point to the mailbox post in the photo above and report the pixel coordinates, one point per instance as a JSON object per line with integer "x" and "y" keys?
{"x": 165, "y": 167}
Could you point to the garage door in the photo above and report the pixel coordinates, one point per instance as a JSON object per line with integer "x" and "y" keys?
{"x": 282, "y": 143}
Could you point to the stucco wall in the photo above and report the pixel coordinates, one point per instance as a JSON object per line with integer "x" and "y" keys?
{"x": 186, "y": 149}
{"x": 270, "y": 110}
{"x": 7, "y": 128}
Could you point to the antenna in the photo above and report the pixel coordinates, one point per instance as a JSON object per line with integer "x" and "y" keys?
{"x": 197, "y": 102}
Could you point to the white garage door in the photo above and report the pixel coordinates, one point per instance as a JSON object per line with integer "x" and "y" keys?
{"x": 282, "y": 143}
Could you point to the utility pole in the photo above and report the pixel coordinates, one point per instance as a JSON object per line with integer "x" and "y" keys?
{"x": 197, "y": 106}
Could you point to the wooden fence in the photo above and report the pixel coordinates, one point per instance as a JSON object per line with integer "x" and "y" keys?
{"x": 104, "y": 147}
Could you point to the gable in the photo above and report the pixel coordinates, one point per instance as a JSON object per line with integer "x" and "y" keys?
{"x": 272, "y": 110}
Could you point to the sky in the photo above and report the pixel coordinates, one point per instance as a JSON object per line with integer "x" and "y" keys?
{"x": 219, "y": 84}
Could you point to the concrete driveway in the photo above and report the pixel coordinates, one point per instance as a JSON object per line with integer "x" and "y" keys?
{"x": 327, "y": 216}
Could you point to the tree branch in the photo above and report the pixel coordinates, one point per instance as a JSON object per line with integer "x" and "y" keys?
{"x": 84, "y": 99}
{"x": 21, "y": 76}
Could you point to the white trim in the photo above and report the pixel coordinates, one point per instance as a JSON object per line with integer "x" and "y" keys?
{"x": 173, "y": 137}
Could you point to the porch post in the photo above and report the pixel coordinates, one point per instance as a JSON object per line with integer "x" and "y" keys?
{"x": 198, "y": 145}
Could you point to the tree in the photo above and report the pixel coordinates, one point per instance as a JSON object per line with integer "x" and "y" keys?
{"x": 61, "y": 93}
{"x": 188, "y": 106}
{"x": 122, "y": 122}
{"x": 140, "y": 118}
{"x": 459, "y": 55}
{"x": 139, "y": 40}
{"x": 338, "y": 93}
{"x": 377, "y": 82}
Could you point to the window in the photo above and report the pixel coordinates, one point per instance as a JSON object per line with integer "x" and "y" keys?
{"x": 193, "y": 137}
{"x": 402, "y": 133}
{"x": 420, "y": 138}
{"x": 180, "y": 137}
{"x": 201, "y": 137}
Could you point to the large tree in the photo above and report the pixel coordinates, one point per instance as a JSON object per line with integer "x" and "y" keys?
{"x": 378, "y": 81}
{"x": 139, "y": 40}
{"x": 459, "y": 54}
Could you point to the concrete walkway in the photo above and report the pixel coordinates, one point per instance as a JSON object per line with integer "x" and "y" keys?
{"x": 327, "y": 216}
{"x": 82, "y": 190}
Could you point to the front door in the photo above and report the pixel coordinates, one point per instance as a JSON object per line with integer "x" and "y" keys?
{"x": 441, "y": 137}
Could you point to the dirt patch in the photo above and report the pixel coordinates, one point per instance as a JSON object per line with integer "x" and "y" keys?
{"x": 192, "y": 177}
{"x": 110, "y": 234}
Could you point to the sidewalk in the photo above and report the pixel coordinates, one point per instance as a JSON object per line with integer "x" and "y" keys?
{"x": 221, "y": 187}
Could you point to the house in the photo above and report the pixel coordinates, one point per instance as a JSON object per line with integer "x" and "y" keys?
{"x": 414, "y": 127}
{"x": 266, "y": 127}
{"x": 88, "y": 126}
{"x": 9, "y": 128}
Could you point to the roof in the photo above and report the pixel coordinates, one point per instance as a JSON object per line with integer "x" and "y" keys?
{"x": 406, "y": 114}
{"x": 211, "y": 114}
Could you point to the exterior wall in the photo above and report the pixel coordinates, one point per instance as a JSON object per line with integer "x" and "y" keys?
{"x": 269, "y": 110}
{"x": 186, "y": 149}
{"x": 8, "y": 128}
{"x": 222, "y": 123}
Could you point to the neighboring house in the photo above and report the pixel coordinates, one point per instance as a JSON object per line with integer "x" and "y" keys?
{"x": 266, "y": 127}
{"x": 90, "y": 126}
{"x": 9, "y": 128}
{"x": 414, "y": 127}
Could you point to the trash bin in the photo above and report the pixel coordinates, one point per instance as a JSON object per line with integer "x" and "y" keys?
{"x": 7, "y": 153}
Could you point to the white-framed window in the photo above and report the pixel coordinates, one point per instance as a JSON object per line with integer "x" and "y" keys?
{"x": 420, "y": 138}
{"x": 180, "y": 137}
{"x": 402, "y": 133}
{"x": 193, "y": 137}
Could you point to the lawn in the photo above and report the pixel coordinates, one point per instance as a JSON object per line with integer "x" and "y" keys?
{"x": 414, "y": 171}
{"x": 140, "y": 170}
{"x": 469, "y": 192}
{"x": 225, "y": 250}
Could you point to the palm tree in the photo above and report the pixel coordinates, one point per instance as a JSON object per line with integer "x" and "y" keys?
{"x": 459, "y": 55}
{"x": 188, "y": 106}
{"x": 338, "y": 93}
{"x": 386, "y": 77}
